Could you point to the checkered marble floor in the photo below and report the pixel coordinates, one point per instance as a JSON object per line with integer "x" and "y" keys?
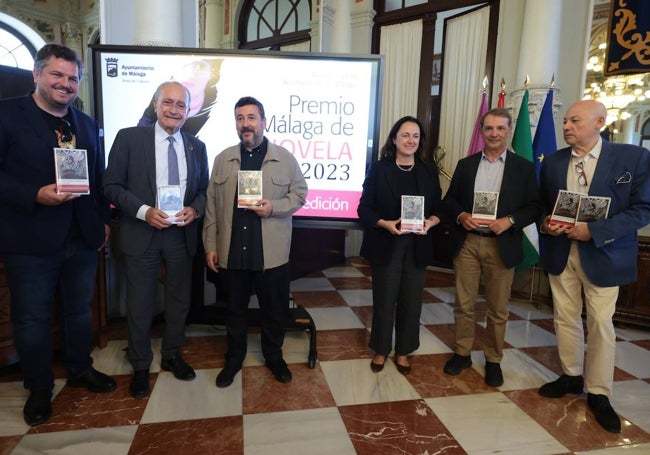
{"x": 340, "y": 406}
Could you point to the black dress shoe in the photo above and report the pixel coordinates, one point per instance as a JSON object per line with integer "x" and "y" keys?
{"x": 38, "y": 407}
{"x": 280, "y": 370}
{"x": 493, "y": 374}
{"x": 227, "y": 375}
{"x": 139, "y": 387}
{"x": 403, "y": 369}
{"x": 605, "y": 414}
{"x": 177, "y": 365}
{"x": 94, "y": 381}
{"x": 457, "y": 363}
{"x": 563, "y": 385}
{"x": 377, "y": 367}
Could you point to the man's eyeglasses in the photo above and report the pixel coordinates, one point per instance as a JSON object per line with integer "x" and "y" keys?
{"x": 65, "y": 130}
{"x": 580, "y": 170}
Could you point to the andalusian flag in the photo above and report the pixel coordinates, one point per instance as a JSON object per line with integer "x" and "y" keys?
{"x": 522, "y": 144}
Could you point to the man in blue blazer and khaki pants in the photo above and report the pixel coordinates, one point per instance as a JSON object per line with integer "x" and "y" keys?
{"x": 594, "y": 258}
{"x": 141, "y": 161}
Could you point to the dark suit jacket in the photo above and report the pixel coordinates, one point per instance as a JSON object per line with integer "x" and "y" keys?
{"x": 130, "y": 182}
{"x": 518, "y": 196}
{"x": 27, "y": 164}
{"x": 381, "y": 199}
{"x": 623, "y": 174}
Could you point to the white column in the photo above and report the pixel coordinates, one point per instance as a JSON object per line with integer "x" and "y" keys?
{"x": 213, "y": 27}
{"x": 538, "y": 56}
{"x": 158, "y": 23}
{"x": 342, "y": 28}
{"x": 540, "y": 42}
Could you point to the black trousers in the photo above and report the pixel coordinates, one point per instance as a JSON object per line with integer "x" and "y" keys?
{"x": 397, "y": 291}
{"x": 272, "y": 289}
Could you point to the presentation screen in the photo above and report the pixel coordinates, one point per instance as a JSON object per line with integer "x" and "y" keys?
{"x": 323, "y": 108}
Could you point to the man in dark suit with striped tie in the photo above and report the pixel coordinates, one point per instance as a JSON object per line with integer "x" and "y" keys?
{"x": 144, "y": 164}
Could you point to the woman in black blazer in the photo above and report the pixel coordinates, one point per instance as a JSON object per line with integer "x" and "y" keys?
{"x": 398, "y": 257}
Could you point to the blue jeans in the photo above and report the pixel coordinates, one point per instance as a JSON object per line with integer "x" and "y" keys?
{"x": 34, "y": 282}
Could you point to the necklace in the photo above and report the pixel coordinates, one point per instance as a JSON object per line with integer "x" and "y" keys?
{"x": 405, "y": 168}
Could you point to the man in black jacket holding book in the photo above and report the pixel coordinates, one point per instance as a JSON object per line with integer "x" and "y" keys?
{"x": 488, "y": 248}
{"x": 49, "y": 239}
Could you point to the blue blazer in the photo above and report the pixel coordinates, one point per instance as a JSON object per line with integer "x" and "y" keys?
{"x": 518, "y": 196}
{"x": 623, "y": 174}
{"x": 381, "y": 199}
{"x": 27, "y": 164}
{"x": 130, "y": 182}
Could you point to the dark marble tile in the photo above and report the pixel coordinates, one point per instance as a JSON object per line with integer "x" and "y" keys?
{"x": 8, "y": 444}
{"x": 79, "y": 409}
{"x": 571, "y": 422}
{"x": 430, "y": 381}
{"x": 204, "y": 352}
{"x": 364, "y": 313}
{"x": 263, "y": 393}
{"x": 218, "y": 436}
{"x": 344, "y": 344}
{"x": 318, "y": 299}
{"x": 399, "y": 427}
{"x": 354, "y": 282}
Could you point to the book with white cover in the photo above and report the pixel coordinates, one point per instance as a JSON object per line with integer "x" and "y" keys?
{"x": 565, "y": 209}
{"x": 412, "y": 214}
{"x": 592, "y": 208}
{"x": 170, "y": 201}
{"x": 249, "y": 188}
{"x": 71, "y": 171}
{"x": 484, "y": 209}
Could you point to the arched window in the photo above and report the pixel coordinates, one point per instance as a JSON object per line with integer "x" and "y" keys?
{"x": 274, "y": 24}
{"x": 15, "y": 50}
{"x": 18, "y": 47}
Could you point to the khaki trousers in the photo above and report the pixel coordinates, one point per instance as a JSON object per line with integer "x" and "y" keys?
{"x": 480, "y": 256}
{"x": 567, "y": 289}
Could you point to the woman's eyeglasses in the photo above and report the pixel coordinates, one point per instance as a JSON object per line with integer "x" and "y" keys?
{"x": 580, "y": 170}
{"x": 65, "y": 130}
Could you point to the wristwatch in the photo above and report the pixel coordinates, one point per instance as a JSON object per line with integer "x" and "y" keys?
{"x": 512, "y": 219}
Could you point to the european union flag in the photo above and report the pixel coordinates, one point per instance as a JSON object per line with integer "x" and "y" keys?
{"x": 544, "y": 141}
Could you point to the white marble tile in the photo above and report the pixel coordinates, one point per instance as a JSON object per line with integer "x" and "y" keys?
{"x": 311, "y": 284}
{"x": 296, "y": 346}
{"x": 519, "y": 371}
{"x": 430, "y": 344}
{"x": 524, "y": 334}
{"x": 490, "y": 423}
{"x": 172, "y": 399}
{"x": 445, "y": 294}
{"x": 437, "y": 313}
{"x": 97, "y": 441}
{"x": 13, "y": 396}
{"x": 335, "y": 318}
{"x": 357, "y": 297}
{"x": 530, "y": 311}
{"x": 312, "y": 431}
{"x": 631, "y": 449}
{"x": 633, "y": 359}
{"x": 352, "y": 382}
{"x": 342, "y": 272}
{"x": 630, "y": 399}
{"x": 632, "y": 334}
{"x": 111, "y": 360}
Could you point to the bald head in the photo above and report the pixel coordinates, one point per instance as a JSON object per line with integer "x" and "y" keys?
{"x": 582, "y": 124}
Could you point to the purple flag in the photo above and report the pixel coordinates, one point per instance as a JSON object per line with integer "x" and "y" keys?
{"x": 477, "y": 144}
